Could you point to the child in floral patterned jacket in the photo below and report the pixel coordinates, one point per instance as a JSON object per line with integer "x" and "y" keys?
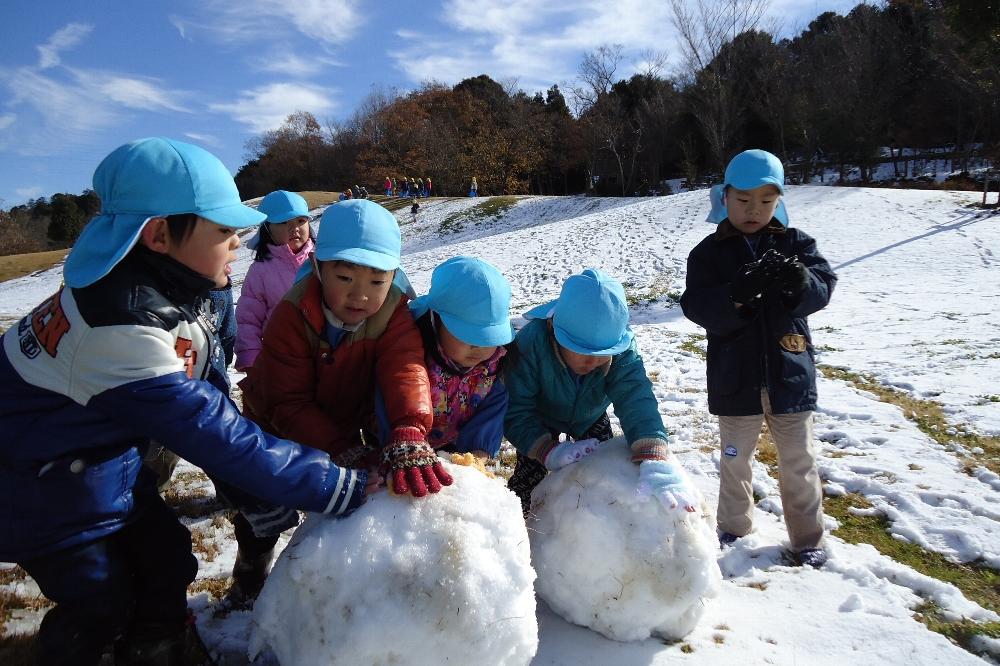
{"x": 465, "y": 323}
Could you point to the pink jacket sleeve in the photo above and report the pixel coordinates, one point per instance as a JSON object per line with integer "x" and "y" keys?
{"x": 251, "y": 314}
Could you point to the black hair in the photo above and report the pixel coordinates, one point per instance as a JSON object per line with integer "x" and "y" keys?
{"x": 181, "y": 225}
{"x": 264, "y": 242}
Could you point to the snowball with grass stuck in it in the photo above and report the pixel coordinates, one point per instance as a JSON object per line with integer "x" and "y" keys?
{"x": 622, "y": 565}
{"x": 445, "y": 578}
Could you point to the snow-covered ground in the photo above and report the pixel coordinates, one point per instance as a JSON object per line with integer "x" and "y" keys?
{"x": 916, "y": 307}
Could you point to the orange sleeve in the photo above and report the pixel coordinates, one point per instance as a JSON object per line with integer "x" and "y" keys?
{"x": 401, "y": 373}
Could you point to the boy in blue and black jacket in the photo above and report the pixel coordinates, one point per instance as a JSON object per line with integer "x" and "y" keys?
{"x": 751, "y": 284}
{"x": 117, "y": 357}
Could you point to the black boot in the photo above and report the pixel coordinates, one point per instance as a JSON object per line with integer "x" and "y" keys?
{"x": 249, "y": 575}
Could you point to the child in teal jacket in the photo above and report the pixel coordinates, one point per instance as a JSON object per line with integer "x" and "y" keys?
{"x": 576, "y": 357}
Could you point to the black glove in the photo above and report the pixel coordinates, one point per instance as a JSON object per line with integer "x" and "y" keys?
{"x": 756, "y": 277}
{"x": 793, "y": 280}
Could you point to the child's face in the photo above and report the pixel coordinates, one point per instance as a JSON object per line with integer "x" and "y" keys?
{"x": 208, "y": 250}
{"x": 751, "y": 210}
{"x": 352, "y": 292}
{"x": 294, "y": 233}
{"x": 581, "y": 364}
{"x": 464, "y": 354}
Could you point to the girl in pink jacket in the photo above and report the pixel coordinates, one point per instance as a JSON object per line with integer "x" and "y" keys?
{"x": 284, "y": 243}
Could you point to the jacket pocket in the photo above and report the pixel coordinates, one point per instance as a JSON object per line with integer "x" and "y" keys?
{"x": 724, "y": 369}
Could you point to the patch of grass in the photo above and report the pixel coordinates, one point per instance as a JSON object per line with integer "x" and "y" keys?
{"x": 977, "y": 582}
{"x": 8, "y": 576}
{"x": 316, "y": 198}
{"x": 660, "y": 288}
{"x": 929, "y": 418}
{"x": 827, "y": 348}
{"x": 489, "y": 208}
{"x": 718, "y": 639}
{"x": 204, "y": 544}
{"x": 11, "y": 601}
{"x": 960, "y": 632}
{"x": 757, "y": 585}
{"x": 687, "y": 648}
{"x": 692, "y": 345}
{"x": 18, "y": 265}
{"x": 215, "y": 586}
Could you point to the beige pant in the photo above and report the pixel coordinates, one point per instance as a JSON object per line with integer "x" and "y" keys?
{"x": 801, "y": 492}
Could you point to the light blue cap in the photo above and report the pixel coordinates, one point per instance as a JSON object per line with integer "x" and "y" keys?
{"x": 281, "y": 206}
{"x": 362, "y": 232}
{"x": 472, "y": 298}
{"x": 746, "y": 171}
{"x": 590, "y": 316}
{"x": 152, "y": 177}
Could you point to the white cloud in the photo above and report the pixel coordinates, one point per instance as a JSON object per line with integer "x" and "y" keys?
{"x": 539, "y": 44}
{"x": 265, "y": 108}
{"x": 329, "y": 22}
{"x": 134, "y": 93}
{"x": 206, "y": 139}
{"x": 293, "y": 65}
{"x": 65, "y": 38}
{"x": 29, "y": 192}
{"x": 6, "y": 120}
{"x": 73, "y": 107}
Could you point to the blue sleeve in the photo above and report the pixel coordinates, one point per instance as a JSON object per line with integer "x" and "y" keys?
{"x": 522, "y": 426}
{"x": 822, "y": 279}
{"x": 199, "y": 423}
{"x": 706, "y": 301}
{"x": 484, "y": 431}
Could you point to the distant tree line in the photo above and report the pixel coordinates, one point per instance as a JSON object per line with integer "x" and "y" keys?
{"x": 919, "y": 74}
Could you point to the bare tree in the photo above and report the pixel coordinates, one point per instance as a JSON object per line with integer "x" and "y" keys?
{"x": 704, "y": 31}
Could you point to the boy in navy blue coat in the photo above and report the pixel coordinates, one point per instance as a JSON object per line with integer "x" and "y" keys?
{"x": 118, "y": 356}
{"x": 751, "y": 284}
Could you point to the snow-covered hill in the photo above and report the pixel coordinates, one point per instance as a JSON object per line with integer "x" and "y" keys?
{"x": 916, "y": 307}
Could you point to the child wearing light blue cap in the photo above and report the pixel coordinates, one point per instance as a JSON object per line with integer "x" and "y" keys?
{"x": 577, "y": 357}
{"x": 343, "y": 332}
{"x": 464, "y": 321}
{"x": 751, "y": 284}
{"x": 282, "y": 246}
{"x": 109, "y": 362}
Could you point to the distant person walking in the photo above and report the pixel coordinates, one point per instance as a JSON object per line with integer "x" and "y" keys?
{"x": 473, "y": 188}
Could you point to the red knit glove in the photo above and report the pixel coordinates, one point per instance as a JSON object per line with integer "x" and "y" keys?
{"x": 411, "y": 464}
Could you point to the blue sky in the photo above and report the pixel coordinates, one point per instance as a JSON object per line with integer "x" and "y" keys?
{"x": 78, "y": 79}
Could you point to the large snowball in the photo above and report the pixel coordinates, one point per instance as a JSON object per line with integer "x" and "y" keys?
{"x": 442, "y": 579}
{"x": 608, "y": 561}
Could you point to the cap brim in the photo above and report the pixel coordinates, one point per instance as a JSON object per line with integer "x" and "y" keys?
{"x": 567, "y": 341}
{"x": 481, "y": 336}
{"x": 543, "y": 311}
{"x": 103, "y": 243}
{"x": 236, "y": 216}
{"x": 356, "y": 255}
{"x": 281, "y": 218}
{"x": 781, "y": 213}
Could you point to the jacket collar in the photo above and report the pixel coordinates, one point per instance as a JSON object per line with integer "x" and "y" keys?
{"x": 174, "y": 280}
{"x": 727, "y": 230}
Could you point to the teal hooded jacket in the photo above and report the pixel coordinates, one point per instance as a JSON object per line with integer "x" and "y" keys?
{"x": 546, "y": 399}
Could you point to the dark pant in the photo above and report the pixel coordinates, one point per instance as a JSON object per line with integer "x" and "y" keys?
{"x": 133, "y": 580}
{"x": 528, "y": 472}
